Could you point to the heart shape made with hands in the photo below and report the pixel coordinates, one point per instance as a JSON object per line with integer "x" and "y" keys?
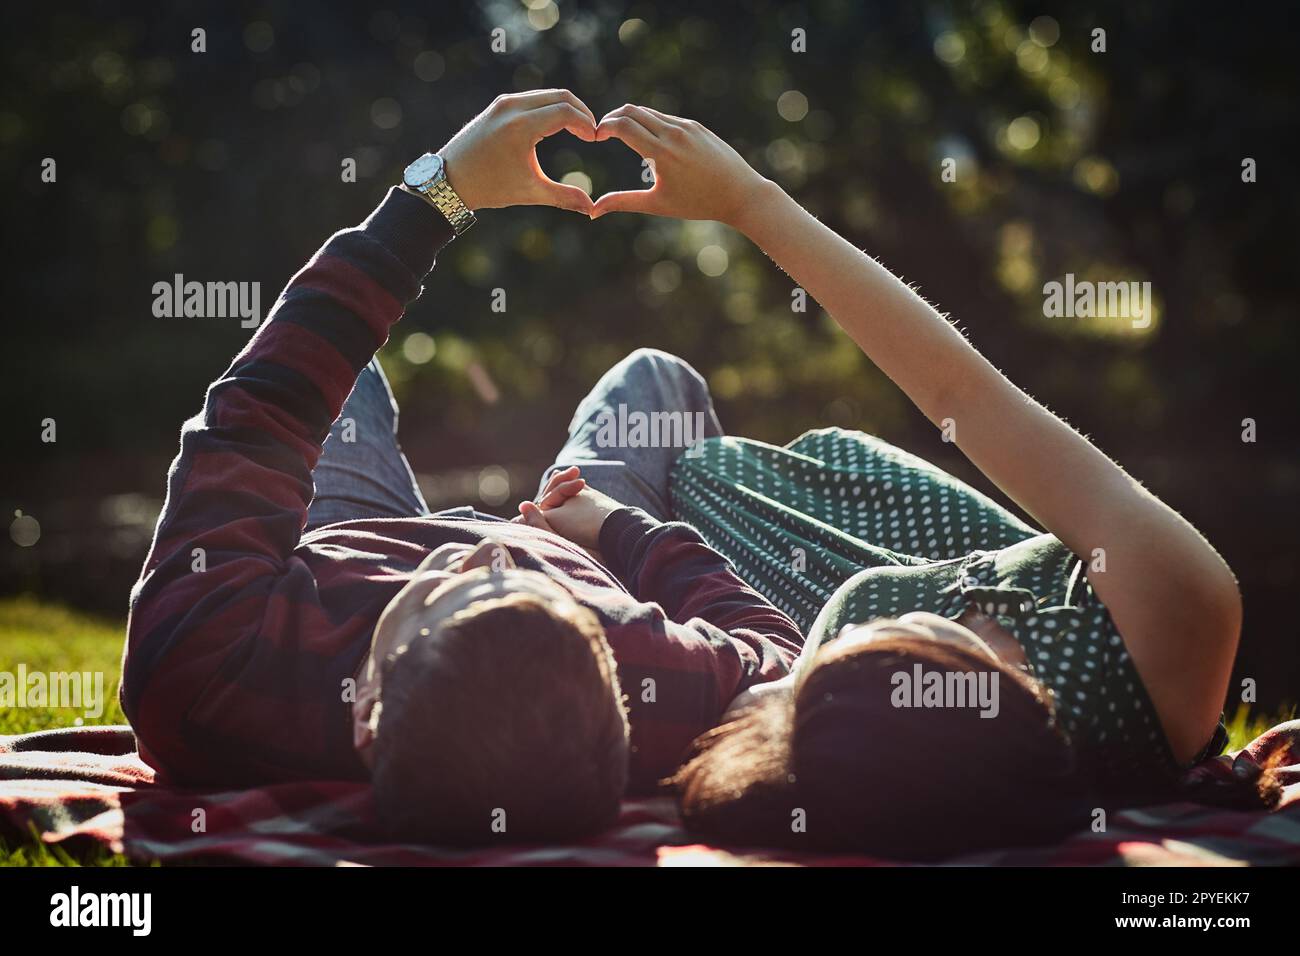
{"x": 492, "y": 162}
{"x": 597, "y": 168}
{"x": 690, "y": 172}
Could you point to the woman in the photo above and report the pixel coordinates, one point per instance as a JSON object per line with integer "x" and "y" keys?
{"x": 1110, "y": 638}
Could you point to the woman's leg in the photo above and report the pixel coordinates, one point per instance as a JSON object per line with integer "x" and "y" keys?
{"x": 630, "y": 429}
{"x": 362, "y": 472}
{"x": 889, "y": 497}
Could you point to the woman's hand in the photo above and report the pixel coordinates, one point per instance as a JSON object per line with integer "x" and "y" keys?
{"x": 754, "y": 695}
{"x": 560, "y": 487}
{"x": 492, "y": 162}
{"x": 697, "y": 175}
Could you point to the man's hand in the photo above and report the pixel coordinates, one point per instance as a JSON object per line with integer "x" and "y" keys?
{"x": 697, "y": 175}
{"x": 492, "y": 162}
{"x": 570, "y": 509}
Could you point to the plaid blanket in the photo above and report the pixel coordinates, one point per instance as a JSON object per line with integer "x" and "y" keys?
{"x": 85, "y": 786}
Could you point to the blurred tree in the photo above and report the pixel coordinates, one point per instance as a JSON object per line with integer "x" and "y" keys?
{"x": 227, "y": 164}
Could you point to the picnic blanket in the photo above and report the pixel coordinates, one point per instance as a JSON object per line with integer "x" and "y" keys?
{"x": 87, "y": 786}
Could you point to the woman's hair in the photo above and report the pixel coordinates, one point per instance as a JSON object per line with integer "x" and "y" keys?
{"x": 841, "y": 765}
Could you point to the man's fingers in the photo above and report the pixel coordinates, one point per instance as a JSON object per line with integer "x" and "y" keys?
{"x": 549, "y": 120}
{"x": 632, "y": 200}
{"x": 629, "y": 131}
{"x": 545, "y": 191}
{"x": 532, "y": 99}
{"x": 551, "y": 193}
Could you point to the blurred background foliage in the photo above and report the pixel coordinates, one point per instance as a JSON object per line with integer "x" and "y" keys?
{"x": 225, "y": 165}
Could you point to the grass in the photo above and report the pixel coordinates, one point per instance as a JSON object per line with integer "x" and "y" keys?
{"x": 49, "y": 637}
{"x": 46, "y": 638}
{"x": 47, "y": 854}
{"x": 1244, "y": 724}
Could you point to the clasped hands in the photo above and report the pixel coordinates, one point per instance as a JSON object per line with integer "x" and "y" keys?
{"x": 574, "y": 511}
{"x": 569, "y": 508}
{"x": 492, "y": 162}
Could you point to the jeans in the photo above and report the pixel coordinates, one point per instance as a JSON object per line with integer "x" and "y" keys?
{"x": 362, "y": 472}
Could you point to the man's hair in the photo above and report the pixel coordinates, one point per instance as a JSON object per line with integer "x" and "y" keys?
{"x": 505, "y": 723}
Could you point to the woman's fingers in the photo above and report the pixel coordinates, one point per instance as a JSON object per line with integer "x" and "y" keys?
{"x": 668, "y": 118}
{"x": 632, "y": 200}
{"x": 560, "y": 487}
{"x": 560, "y": 494}
{"x": 645, "y": 131}
{"x": 657, "y": 123}
{"x": 561, "y": 476}
{"x": 630, "y": 131}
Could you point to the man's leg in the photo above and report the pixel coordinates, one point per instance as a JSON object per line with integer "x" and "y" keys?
{"x": 362, "y": 472}
{"x": 632, "y": 465}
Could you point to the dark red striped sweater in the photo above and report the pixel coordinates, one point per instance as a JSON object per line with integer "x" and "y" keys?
{"x": 235, "y": 674}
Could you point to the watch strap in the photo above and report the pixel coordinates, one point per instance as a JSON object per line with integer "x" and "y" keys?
{"x": 441, "y": 196}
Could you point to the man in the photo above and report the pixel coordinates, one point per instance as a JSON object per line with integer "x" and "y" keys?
{"x": 302, "y": 615}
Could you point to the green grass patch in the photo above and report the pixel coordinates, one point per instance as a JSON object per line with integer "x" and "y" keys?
{"x": 49, "y": 638}
{"x": 1245, "y": 724}
{"x": 45, "y": 854}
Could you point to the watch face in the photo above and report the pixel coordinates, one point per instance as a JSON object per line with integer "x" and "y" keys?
{"x": 422, "y": 170}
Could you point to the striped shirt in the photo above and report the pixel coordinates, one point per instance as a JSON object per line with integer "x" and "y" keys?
{"x": 243, "y": 630}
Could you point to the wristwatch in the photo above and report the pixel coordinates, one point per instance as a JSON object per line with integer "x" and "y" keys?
{"x": 427, "y": 177}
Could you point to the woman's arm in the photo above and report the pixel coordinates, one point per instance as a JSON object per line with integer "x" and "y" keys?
{"x": 1170, "y": 594}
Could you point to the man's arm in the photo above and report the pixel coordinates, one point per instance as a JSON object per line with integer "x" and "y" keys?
{"x": 669, "y": 564}
{"x": 719, "y": 639}
{"x": 221, "y": 566}
{"x": 241, "y": 484}
{"x": 265, "y": 420}
{"x": 224, "y": 620}
{"x": 701, "y": 634}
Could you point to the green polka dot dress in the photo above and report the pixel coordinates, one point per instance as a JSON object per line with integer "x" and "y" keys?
{"x": 839, "y": 527}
